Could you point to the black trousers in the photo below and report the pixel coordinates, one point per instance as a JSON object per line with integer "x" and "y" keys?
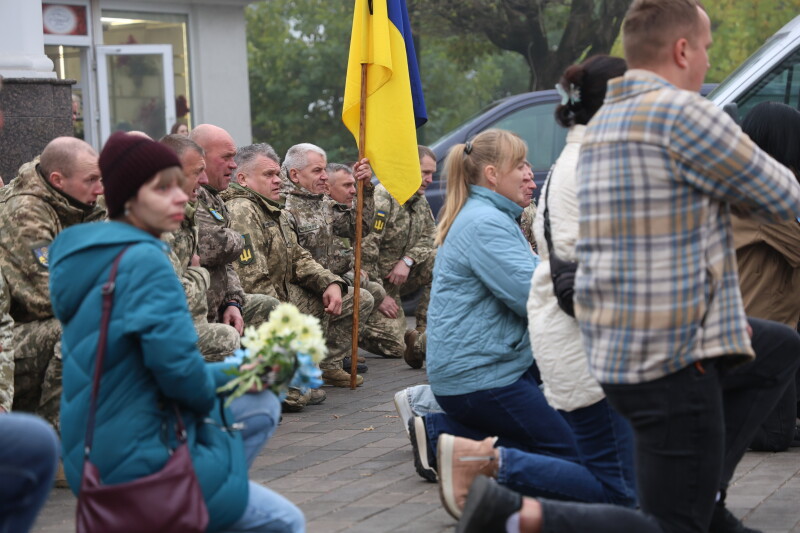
{"x": 691, "y": 429}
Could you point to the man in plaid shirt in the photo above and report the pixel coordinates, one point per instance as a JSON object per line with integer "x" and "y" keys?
{"x": 657, "y": 293}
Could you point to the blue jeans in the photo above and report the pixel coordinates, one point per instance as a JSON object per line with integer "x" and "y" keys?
{"x": 518, "y": 414}
{"x": 266, "y": 511}
{"x": 604, "y": 474}
{"x": 422, "y": 400}
{"x": 29, "y": 453}
{"x": 260, "y": 414}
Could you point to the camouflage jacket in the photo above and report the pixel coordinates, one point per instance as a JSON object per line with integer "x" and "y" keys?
{"x": 6, "y": 348}
{"x": 272, "y": 258}
{"x": 397, "y": 231}
{"x": 182, "y": 246}
{"x": 218, "y": 247}
{"x": 32, "y": 213}
{"x": 526, "y": 224}
{"x": 318, "y": 221}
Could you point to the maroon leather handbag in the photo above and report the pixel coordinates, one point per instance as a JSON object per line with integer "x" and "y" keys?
{"x": 169, "y": 500}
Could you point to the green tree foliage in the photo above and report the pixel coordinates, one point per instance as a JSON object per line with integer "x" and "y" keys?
{"x": 297, "y": 57}
{"x": 548, "y": 34}
{"x": 740, "y": 28}
{"x": 297, "y": 54}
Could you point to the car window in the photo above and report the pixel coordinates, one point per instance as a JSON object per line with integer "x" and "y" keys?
{"x": 537, "y": 126}
{"x": 782, "y": 84}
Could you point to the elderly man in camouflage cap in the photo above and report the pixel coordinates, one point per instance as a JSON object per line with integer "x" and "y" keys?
{"x": 218, "y": 244}
{"x": 50, "y": 193}
{"x": 399, "y": 254}
{"x": 318, "y": 221}
{"x": 214, "y": 340}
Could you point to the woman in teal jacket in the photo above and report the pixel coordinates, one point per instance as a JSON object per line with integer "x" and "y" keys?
{"x": 151, "y": 356}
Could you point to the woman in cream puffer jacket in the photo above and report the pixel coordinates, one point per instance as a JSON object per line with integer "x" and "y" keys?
{"x": 603, "y": 438}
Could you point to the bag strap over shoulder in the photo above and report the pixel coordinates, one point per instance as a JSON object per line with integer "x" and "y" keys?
{"x": 547, "y": 235}
{"x": 108, "y": 302}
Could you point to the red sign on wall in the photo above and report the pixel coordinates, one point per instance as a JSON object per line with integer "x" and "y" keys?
{"x": 63, "y": 19}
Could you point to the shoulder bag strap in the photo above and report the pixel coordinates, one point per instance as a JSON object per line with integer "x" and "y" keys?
{"x": 108, "y": 303}
{"x": 547, "y": 236}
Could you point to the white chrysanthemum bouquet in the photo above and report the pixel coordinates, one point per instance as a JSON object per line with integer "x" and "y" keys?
{"x": 281, "y": 353}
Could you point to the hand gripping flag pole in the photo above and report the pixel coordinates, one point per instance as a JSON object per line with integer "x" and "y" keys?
{"x": 383, "y": 106}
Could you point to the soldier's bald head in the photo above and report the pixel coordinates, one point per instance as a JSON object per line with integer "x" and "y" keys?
{"x": 71, "y": 166}
{"x": 208, "y": 134}
{"x": 62, "y": 153}
{"x": 220, "y": 151}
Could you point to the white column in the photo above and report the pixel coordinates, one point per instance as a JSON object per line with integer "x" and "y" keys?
{"x": 22, "y": 40}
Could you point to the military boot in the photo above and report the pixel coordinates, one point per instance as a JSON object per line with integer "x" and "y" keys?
{"x": 339, "y": 378}
{"x": 315, "y": 396}
{"x": 413, "y": 356}
{"x": 294, "y": 401}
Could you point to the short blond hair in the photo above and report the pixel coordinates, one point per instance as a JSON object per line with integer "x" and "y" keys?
{"x": 651, "y": 26}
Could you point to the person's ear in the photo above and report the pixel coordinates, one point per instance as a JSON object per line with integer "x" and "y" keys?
{"x": 679, "y": 53}
{"x": 241, "y": 179}
{"x": 56, "y": 179}
{"x": 490, "y": 174}
{"x": 293, "y": 175}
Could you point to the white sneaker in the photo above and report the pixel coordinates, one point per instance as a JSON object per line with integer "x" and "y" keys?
{"x": 403, "y": 407}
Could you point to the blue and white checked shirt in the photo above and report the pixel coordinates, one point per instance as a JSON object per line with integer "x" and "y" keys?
{"x": 657, "y": 287}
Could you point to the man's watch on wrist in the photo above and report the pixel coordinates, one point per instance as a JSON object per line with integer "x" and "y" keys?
{"x": 408, "y": 261}
{"x": 232, "y": 303}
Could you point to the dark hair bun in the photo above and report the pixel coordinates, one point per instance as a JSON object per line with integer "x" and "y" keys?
{"x": 589, "y": 79}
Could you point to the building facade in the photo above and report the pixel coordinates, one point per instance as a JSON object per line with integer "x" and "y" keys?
{"x": 137, "y": 65}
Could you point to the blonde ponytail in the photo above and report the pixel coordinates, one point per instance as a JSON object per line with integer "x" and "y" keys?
{"x": 464, "y": 166}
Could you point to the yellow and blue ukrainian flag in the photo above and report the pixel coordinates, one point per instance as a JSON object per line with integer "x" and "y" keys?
{"x": 395, "y": 107}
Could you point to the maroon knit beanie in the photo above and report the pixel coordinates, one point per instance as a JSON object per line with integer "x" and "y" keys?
{"x": 126, "y": 163}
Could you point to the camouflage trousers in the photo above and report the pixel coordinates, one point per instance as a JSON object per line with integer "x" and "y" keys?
{"x": 384, "y": 335}
{"x": 338, "y": 329}
{"x": 257, "y": 307}
{"x": 37, "y": 369}
{"x": 420, "y": 277}
{"x": 216, "y": 341}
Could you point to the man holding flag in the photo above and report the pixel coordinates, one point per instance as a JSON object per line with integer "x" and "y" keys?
{"x": 383, "y": 102}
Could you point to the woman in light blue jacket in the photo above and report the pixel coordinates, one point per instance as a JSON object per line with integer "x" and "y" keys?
{"x": 479, "y": 356}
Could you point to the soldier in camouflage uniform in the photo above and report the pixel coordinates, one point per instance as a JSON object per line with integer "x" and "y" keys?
{"x": 528, "y": 208}
{"x": 6, "y": 349}
{"x": 399, "y": 253}
{"x": 251, "y": 205}
{"x": 318, "y": 221}
{"x": 215, "y": 341}
{"x": 389, "y": 343}
{"x": 219, "y": 245}
{"x": 49, "y": 194}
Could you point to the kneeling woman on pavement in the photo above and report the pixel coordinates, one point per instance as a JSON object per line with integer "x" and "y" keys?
{"x": 480, "y": 366}
{"x": 151, "y": 357}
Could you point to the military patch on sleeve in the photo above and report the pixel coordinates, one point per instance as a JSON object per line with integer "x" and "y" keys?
{"x": 216, "y": 214}
{"x": 40, "y": 253}
{"x": 380, "y": 221}
{"x": 248, "y": 255}
{"x": 307, "y": 228}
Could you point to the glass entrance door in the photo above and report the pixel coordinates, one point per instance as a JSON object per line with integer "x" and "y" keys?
{"x": 135, "y": 89}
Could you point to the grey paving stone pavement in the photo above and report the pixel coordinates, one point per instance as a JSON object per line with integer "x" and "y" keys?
{"x": 347, "y": 463}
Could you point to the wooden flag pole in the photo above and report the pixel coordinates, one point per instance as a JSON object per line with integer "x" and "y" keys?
{"x": 362, "y": 129}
